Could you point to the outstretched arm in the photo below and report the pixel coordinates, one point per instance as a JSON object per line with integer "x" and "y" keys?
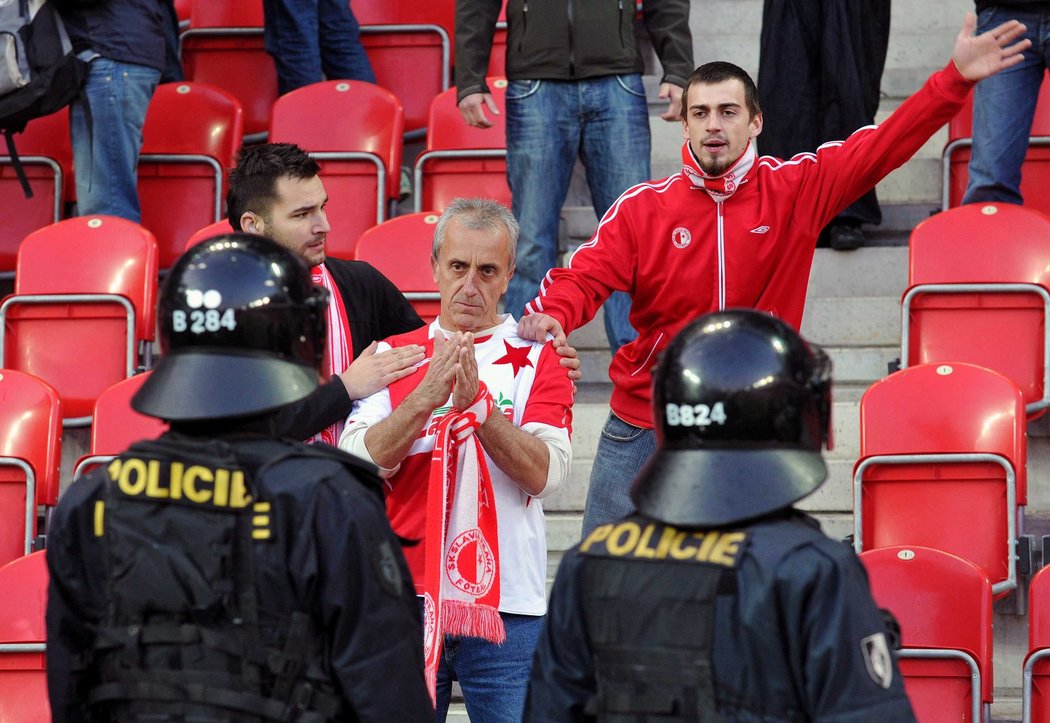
{"x": 978, "y": 56}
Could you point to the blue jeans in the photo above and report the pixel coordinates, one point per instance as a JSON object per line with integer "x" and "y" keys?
{"x": 311, "y": 40}
{"x": 622, "y": 452}
{"x": 493, "y": 678}
{"x": 106, "y": 156}
{"x": 604, "y": 122}
{"x": 1003, "y": 107}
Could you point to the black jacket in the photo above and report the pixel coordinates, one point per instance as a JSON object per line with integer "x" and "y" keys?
{"x": 128, "y": 31}
{"x": 328, "y": 551}
{"x": 570, "y": 40}
{"x": 790, "y": 625}
{"x": 375, "y": 309}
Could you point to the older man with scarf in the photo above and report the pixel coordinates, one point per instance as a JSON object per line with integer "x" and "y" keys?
{"x": 470, "y": 444}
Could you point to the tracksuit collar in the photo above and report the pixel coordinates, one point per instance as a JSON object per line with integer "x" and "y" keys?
{"x": 718, "y": 187}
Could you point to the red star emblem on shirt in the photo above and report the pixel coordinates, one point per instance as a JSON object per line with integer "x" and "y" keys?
{"x": 516, "y": 356}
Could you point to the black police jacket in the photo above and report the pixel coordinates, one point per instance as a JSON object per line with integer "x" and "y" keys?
{"x": 321, "y": 546}
{"x": 796, "y": 635}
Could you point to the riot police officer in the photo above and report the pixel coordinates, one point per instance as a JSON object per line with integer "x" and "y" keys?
{"x": 717, "y": 600}
{"x": 219, "y": 573}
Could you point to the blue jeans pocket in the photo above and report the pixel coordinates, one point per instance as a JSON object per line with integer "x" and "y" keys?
{"x": 617, "y": 430}
{"x": 521, "y": 89}
{"x": 632, "y": 84}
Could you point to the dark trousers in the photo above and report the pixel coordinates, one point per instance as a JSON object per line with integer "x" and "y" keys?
{"x": 820, "y": 67}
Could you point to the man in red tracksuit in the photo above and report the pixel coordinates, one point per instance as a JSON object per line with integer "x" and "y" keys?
{"x": 732, "y": 229}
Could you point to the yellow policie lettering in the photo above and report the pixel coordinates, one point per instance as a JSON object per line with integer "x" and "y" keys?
{"x": 597, "y": 535}
{"x": 660, "y": 542}
{"x": 201, "y": 485}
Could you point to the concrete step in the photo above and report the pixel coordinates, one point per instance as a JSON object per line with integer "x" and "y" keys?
{"x": 589, "y": 418}
{"x": 866, "y": 272}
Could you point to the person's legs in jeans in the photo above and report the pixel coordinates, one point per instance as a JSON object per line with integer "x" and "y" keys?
{"x": 342, "y": 57}
{"x": 1003, "y": 107}
{"x": 542, "y": 145}
{"x": 615, "y": 153}
{"x": 106, "y": 153}
{"x": 290, "y": 35}
{"x": 494, "y": 678}
{"x": 622, "y": 451}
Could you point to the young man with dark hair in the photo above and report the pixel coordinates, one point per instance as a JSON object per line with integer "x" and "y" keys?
{"x": 275, "y": 191}
{"x": 732, "y": 229}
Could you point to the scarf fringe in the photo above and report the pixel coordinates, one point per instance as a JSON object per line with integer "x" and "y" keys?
{"x": 472, "y": 620}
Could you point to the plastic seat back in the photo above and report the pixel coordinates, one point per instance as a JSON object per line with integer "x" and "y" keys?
{"x": 23, "y": 676}
{"x": 353, "y": 129}
{"x": 30, "y": 455}
{"x": 223, "y": 46}
{"x": 115, "y": 426}
{"x": 77, "y": 285}
{"x": 1035, "y": 690}
{"x": 218, "y": 228}
{"x": 191, "y": 136}
{"x": 462, "y": 160}
{"x": 1035, "y": 172}
{"x": 408, "y": 45}
{"x": 944, "y": 606}
{"x": 400, "y": 250}
{"x": 936, "y": 443}
{"x": 498, "y": 56}
{"x": 978, "y": 280}
{"x": 47, "y": 158}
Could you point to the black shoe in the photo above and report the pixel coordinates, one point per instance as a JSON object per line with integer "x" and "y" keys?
{"x": 845, "y": 238}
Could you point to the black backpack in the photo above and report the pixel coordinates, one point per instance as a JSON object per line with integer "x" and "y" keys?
{"x": 39, "y": 72}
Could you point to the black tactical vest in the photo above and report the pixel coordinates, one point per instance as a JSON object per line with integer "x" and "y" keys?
{"x": 180, "y": 639}
{"x": 649, "y": 594}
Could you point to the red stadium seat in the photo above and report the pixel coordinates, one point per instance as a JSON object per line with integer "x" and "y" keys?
{"x": 23, "y": 676}
{"x": 1035, "y": 682}
{"x": 498, "y": 56}
{"x": 84, "y": 302}
{"x": 461, "y": 160}
{"x": 30, "y": 455}
{"x": 224, "y": 47}
{"x": 936, "y": 443}
{"x": 408, "y": 46}
{"x": 353, "y": 129}
{"x": 978, "y": 281}
{"x": 406, "y": 12}
{"x": 1035, "y": 173}
{"x": 400, "y": 249}
{"x": 944, "y": 606}
{"x": 191, "y": 136}
{"x": 115, "y": 425}
{"x": 47, "y": 157}
{"x": 183, "y": 8}
{"x": 212, "y": 229}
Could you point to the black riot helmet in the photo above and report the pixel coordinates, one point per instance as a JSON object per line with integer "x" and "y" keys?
{"x": 242, "y": 332}
{"x": 741, "y": 405}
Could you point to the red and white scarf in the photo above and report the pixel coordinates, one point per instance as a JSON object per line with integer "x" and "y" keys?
{"x": 722, "y": 186}
{"x": 461, "y": 590}
{"x": 338, "y": 354}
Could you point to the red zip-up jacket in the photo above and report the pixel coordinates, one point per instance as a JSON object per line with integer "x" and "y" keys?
{"x": 682, "y": 248}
